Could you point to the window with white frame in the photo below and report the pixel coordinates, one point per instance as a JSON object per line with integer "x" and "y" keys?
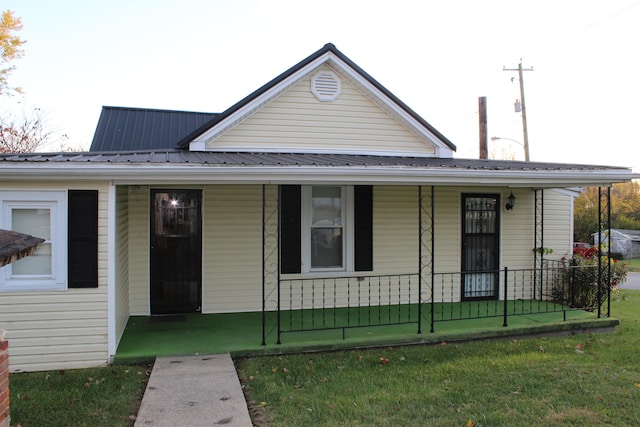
{"x": 41, "y": 214}
{"x": 327, "y": 228}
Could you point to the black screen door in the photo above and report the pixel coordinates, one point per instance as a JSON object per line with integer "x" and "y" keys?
{"x": 480, "y": 225}
{"x": 176, "y": 251}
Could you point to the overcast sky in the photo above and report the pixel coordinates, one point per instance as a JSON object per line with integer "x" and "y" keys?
{"x": 439, "y": 57}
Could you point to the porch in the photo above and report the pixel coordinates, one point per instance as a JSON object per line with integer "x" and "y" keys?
{"x": 240, "y": 333}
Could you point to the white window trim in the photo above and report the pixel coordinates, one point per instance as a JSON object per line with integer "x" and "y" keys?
{"x": 56, "y": 201}
{"x": 348, "y": 227}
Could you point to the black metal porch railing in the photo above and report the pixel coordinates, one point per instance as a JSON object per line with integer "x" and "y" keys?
{"x": 314, "y": 303}
{"x": 308, "y": 304}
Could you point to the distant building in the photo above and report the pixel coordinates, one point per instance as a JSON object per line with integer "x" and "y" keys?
{"x": 626, "y": 242}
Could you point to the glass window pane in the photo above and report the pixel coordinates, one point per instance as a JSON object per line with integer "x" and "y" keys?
{"x": 326, "y": 206}
{"x": 326, "y": 247}
{"x": 39, "y": 263}
{"x": 176, "y": 214}
{"x": 36, "y": 222}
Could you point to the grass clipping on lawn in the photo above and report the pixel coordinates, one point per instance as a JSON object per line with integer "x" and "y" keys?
{"x": 586, "y": 379}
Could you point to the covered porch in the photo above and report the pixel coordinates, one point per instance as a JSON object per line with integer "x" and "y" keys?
{"x": 423, "y": 305}
{"x": 240, "y": 334}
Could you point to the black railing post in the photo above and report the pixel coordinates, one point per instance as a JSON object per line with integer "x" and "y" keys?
{"x": 599, "y": 290}
{"x": 506, "y": 285}
{"x": 433, "y": 253}
{"x": 609, "y": 252}
{"x": 279, "y": 231}
{"x": 419, "y": 259}
{"x": 264, "y": 293}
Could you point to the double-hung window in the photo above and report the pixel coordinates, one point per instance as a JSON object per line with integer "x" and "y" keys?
{"x": 326, "y": 229}
{"x": 68, "y": 223}
{"x": 43, "y": 215}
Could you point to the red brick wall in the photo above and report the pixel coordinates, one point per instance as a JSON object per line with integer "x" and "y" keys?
{"x": 4, "y": 384}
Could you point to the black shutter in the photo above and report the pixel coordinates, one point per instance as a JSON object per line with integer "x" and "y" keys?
{"x": 363, "y": 233}
{"x": 290, "y": 228}
{"x": 82, "y": 246}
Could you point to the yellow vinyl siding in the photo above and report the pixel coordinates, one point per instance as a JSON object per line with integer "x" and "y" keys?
{"x": 122, "y": 261}
{"x": 297, "y": 121}
{"x": 60, "y": 329}
{"x": 232, "y": 240}
{"x": 518, "y": 229}
{"x": 557, "y": 224}
{"x": 139, "y": 250}
{"x": 232, "y": 248}
{"x": 395, "y": 230}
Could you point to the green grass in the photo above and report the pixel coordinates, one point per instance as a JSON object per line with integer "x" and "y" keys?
{"x": 82, "y": 397}
{"x": 586, "y": 379}
{"x": 633, "y": 264}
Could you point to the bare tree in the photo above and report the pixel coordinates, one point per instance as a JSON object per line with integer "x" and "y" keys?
{"x": 24, "y": 134}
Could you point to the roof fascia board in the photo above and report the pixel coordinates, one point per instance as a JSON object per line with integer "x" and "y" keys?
{"x": 191, "y": 174}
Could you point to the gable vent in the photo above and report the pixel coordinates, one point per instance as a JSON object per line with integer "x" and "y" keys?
{"x": 326, "y": 86}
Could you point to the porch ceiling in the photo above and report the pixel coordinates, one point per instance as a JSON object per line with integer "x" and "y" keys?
{"x": 180, "y": 166}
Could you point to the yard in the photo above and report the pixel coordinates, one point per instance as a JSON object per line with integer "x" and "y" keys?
{"x": 588, "y": 379}
{"x": 633, "y": 264}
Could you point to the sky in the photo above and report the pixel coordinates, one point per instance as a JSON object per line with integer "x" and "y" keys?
{"x": 438, "y": 57}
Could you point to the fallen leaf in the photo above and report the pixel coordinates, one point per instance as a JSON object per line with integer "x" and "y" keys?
{"x": 384, "y": 360}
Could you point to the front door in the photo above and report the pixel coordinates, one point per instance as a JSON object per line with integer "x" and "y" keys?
{"x": 480, "y": 225}
{"x": 176, "y": 251}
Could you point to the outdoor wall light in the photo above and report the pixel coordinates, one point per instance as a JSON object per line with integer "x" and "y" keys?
{"x": 511, "y": 202}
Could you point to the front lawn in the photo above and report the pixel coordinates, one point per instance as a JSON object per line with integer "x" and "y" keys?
{"x": 81, "y": 397}
{"x": 587, "y": 379}
{"x": 633, "y": 264}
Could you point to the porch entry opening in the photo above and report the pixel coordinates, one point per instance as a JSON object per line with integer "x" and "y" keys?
{"x": 176, "y": 251}
{"x": 480, "y": 225}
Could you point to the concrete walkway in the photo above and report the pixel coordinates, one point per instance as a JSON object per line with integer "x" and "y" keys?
{"x": 194, "y": 391}
{"x": 633, "y": 281}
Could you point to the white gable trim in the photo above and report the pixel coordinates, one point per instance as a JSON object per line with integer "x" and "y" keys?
{"x": 377, "y": 96}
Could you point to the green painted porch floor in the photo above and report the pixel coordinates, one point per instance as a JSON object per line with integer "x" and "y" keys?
{"x": 241, "y": 334}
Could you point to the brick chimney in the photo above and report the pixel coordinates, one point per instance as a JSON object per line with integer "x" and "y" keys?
{"x": 5, "y": 419}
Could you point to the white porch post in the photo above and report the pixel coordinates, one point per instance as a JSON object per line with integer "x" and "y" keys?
{"x": 111, "y": 272}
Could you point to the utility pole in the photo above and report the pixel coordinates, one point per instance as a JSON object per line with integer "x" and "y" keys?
{"x": 482, "y": 114}
{"x": 525, "y": 132}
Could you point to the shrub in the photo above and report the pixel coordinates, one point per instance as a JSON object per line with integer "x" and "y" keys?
{"x": 580, "y": 287}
